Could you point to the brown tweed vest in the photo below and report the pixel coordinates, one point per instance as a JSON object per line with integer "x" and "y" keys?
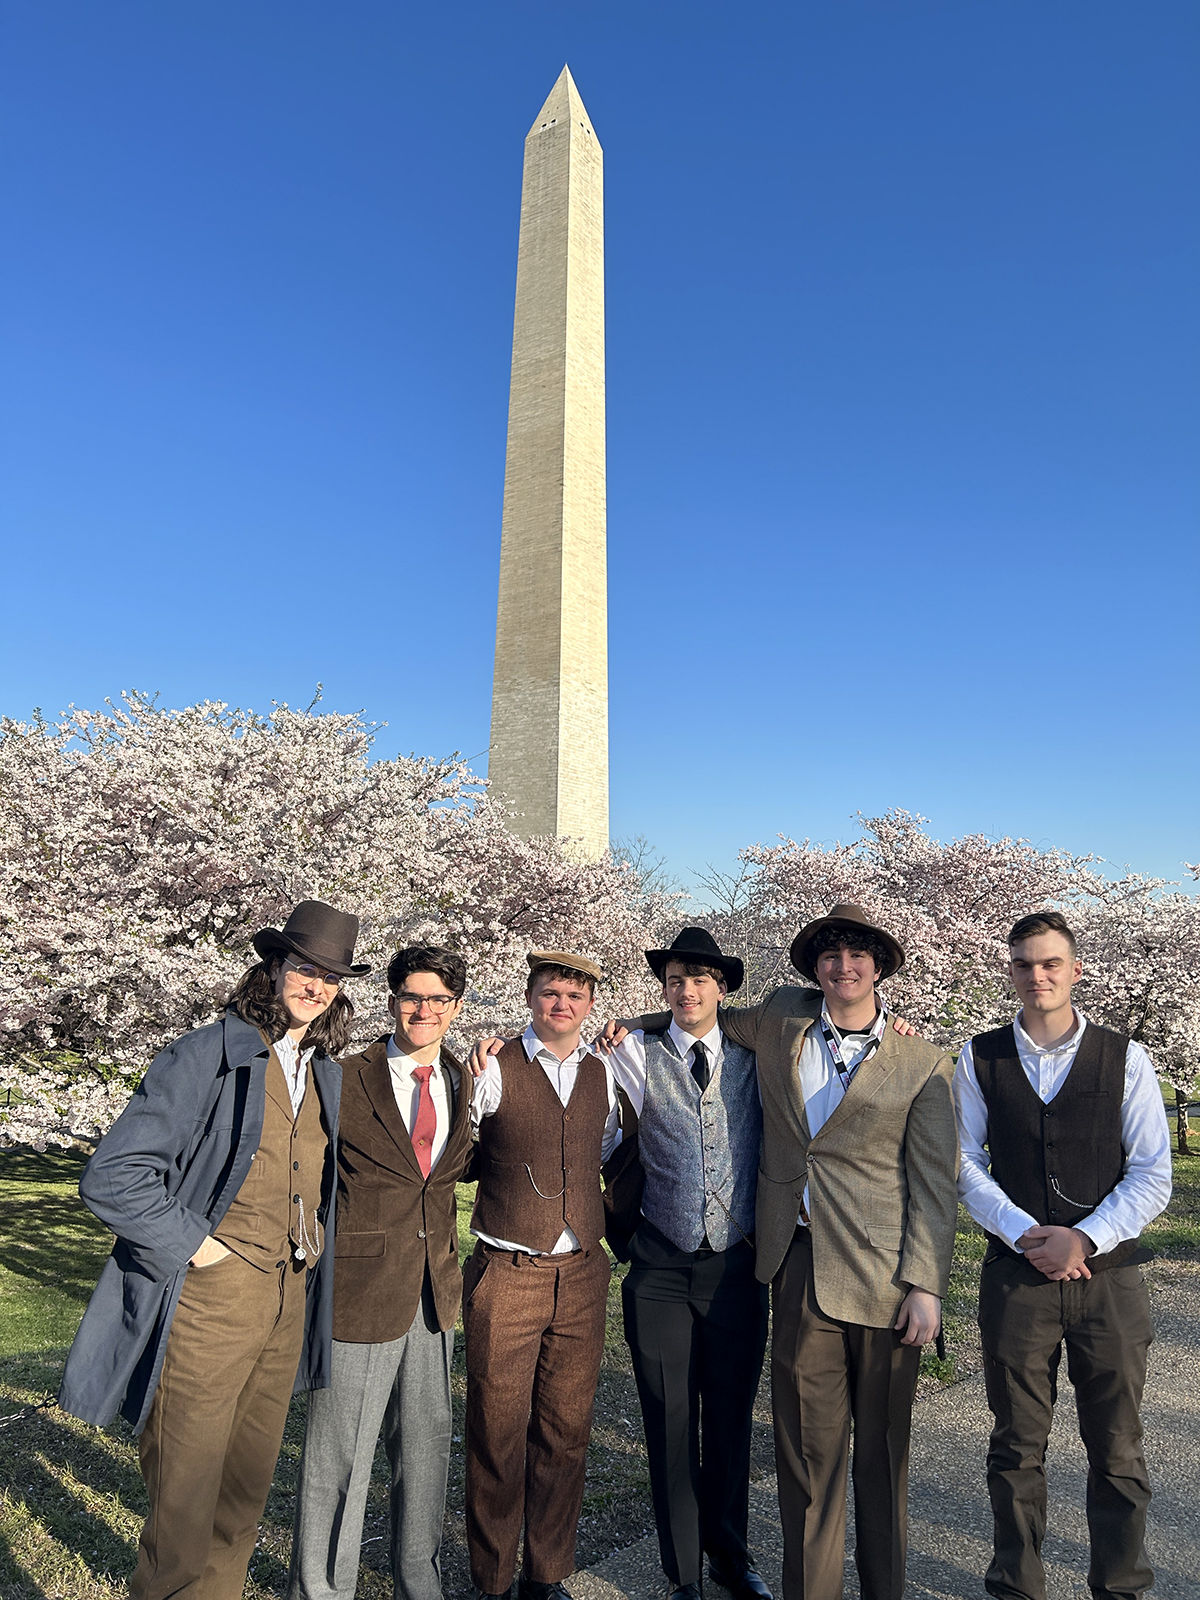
{"x": 539, "y": 1168}
{"x": 263, "y": 1224}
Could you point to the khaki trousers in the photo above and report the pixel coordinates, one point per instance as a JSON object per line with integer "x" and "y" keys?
{"x": 211, "y": 1441}
{"x": 825, "y": 1375}
{"x": 534, "y": 1330}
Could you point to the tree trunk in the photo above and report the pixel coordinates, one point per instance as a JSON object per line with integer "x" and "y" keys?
{"x": 1181, "y": 1121}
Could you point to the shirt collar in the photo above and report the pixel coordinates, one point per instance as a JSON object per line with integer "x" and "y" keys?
{"x": 684, "y": 1042}
{"x": 534, "y": 1049}
{"x": 1068, "y": 1043}
{"x": 400, "y": 1060}
{"x": 875, "y": 1031}
{"x": 287, "y": 1049}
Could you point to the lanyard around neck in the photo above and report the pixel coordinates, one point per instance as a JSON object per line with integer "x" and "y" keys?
{"x": 833, "y": 1044}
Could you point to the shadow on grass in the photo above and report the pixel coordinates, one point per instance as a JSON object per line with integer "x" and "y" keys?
{"x": 65, "y": 1485}
{"x": 46, "y": 1232}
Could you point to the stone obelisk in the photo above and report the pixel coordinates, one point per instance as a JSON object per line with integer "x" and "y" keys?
{"x": 549, "y": 748}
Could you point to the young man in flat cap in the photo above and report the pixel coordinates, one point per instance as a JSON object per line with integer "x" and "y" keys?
{"x": 405, "y": 1140}
{"x": 218, "y": 1181}
{"x": 536, "y": 1288}
{"x": 1066, "y": 1158}
{"x": 854, "y": 1230}
{"x": 695, "y": 1317}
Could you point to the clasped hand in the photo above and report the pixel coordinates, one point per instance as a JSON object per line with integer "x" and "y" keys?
{"x": 1057, "y": 1253}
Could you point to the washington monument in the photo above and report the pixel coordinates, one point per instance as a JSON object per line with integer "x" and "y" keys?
{"x": 549, "y": 748}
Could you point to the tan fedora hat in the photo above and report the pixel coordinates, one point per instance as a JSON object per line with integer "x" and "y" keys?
{"x": 853, "y": 919}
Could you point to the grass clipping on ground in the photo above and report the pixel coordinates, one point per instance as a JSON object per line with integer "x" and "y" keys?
{"x": 72, "y": 1501}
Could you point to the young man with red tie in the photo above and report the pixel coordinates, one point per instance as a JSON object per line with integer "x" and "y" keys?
{"x": 405, "y": 1140}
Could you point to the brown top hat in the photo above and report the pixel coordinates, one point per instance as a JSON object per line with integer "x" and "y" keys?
{"x": 854, "y": 920}
{"x": 697, "y": 947}
{"x": 319, "y": 934}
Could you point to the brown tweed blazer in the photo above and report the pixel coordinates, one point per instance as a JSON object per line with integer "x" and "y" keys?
{"x": 881, "y": 1172}
{"x": 392, "y": 1222}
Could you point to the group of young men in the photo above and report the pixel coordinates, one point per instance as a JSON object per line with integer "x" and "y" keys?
{"x": 802, "y": 1152}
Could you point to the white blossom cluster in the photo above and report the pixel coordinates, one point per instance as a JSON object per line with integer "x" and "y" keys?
{"x": 141, "y": 849}
{"x": 951, "y": 906}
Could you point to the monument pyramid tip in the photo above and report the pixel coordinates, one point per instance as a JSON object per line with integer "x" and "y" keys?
{"x": 563, "y": 101}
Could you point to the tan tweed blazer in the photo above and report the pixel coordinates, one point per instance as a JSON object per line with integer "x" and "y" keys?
{"x": 881, "y": 1172}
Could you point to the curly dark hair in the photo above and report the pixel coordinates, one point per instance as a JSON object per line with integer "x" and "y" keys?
{"x": 445, "y": 964}
{"x": 255, "y": 1001}
{"x": 841, "y": 939}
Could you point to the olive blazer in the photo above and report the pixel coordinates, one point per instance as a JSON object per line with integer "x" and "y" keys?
{"x": 392, "y": 1222}
{"x": 881, "y": 1172}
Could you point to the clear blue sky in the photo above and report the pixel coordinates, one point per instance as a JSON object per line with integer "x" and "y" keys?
{"x": 902, "y": 385}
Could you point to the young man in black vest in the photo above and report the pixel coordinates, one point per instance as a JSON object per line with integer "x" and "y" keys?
{"x": 535, "y": 1292}
{"x": 405, "y": 1140}
{"x": 1065, "y": 1159}
{"x": 695, "y": 1317}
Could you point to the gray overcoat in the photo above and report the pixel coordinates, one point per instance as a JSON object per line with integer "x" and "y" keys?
{"x": 162, "y": 1178}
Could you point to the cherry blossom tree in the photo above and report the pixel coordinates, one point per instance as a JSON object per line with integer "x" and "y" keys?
{"x": 141, "y": 848}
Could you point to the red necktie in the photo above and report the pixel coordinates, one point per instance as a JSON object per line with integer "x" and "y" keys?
{"x": 425, "y": 1127}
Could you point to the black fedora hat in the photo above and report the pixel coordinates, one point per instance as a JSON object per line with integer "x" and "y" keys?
{"x": 853, "y": 919}
{"x": 319, "y": 934}
{"x": 696, "y": 946}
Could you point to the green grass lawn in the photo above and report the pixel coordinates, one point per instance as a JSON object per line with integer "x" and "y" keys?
{"x": 71, "y": 1497}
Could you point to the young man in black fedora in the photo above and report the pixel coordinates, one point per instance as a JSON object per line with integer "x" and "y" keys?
{"x": 854, "y": 1229}
{"x": 695, "y": 1318}
{"x": 218, "y": 1181}
{"x": 1066, "y": 1158}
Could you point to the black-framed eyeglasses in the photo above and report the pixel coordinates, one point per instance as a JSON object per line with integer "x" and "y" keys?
{"x": 439, "y": 1004}
{"x": 306, "y": 970}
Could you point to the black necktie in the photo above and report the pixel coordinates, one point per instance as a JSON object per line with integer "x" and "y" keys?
{"x": 700, "y": 1066}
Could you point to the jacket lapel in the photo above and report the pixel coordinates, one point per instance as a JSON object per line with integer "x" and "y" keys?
{"x": 277, "y": 1089}
{"x": 866, "y": 1082}
{"x": 795, "y": 1031}
{"x": 377, "y": 1083}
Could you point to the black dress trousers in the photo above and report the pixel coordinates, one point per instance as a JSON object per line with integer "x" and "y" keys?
{"x": 696, "y": 1325}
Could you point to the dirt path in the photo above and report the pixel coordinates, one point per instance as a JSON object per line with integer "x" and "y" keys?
{"x": 949, "y": 1516}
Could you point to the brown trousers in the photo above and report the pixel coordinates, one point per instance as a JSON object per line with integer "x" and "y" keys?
{"x": 211, "y": 1441}
{"x": 534, "y": 1330}
{"x": 1104, "y": 1323}
{"x": 825, "y": 1374}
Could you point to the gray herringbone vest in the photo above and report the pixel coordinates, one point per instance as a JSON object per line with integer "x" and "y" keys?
{"x": 696, "y": 1148}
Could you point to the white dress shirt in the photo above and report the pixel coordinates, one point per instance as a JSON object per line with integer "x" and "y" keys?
{"x": 1145, "y": 1187}
{"x": 408, "y": 1094}
{"x": 485, "y": 1102}
{"x": 628, "y": 1061}
{"x": 295, "y": 1068}
{"x": 820, "y": 1083}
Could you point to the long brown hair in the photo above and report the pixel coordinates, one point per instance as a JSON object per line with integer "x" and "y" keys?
{"x": 255, "y": 1001}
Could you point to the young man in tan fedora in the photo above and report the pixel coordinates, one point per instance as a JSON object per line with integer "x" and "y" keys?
{"x": 405, "y": 1139}
{"x": 536, "y": 1288}
{"x": 854, "y": 1230}
{"x": 1066, "y": 1158}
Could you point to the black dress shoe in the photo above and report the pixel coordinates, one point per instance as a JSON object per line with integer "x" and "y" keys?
{"x": 746, "y": 1585}
{"x": 481, "y": 1594}
{"x": 688, "y": 1591}
{"x": 528, "y": 1590}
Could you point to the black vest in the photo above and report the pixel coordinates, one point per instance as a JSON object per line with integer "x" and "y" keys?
{"x": 1057, "y": 1161}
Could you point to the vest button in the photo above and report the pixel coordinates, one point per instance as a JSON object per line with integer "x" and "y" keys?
{"x": 1053, "y": 1211}
{"x": 295, "y": 1166}
{"x": 420, "y": 1233}
{"x": 295, "y": 1199}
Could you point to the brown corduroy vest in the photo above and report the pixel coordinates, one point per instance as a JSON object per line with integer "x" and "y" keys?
{"x": 263, "y": 1223}
{"x": 540, "y": 1160}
